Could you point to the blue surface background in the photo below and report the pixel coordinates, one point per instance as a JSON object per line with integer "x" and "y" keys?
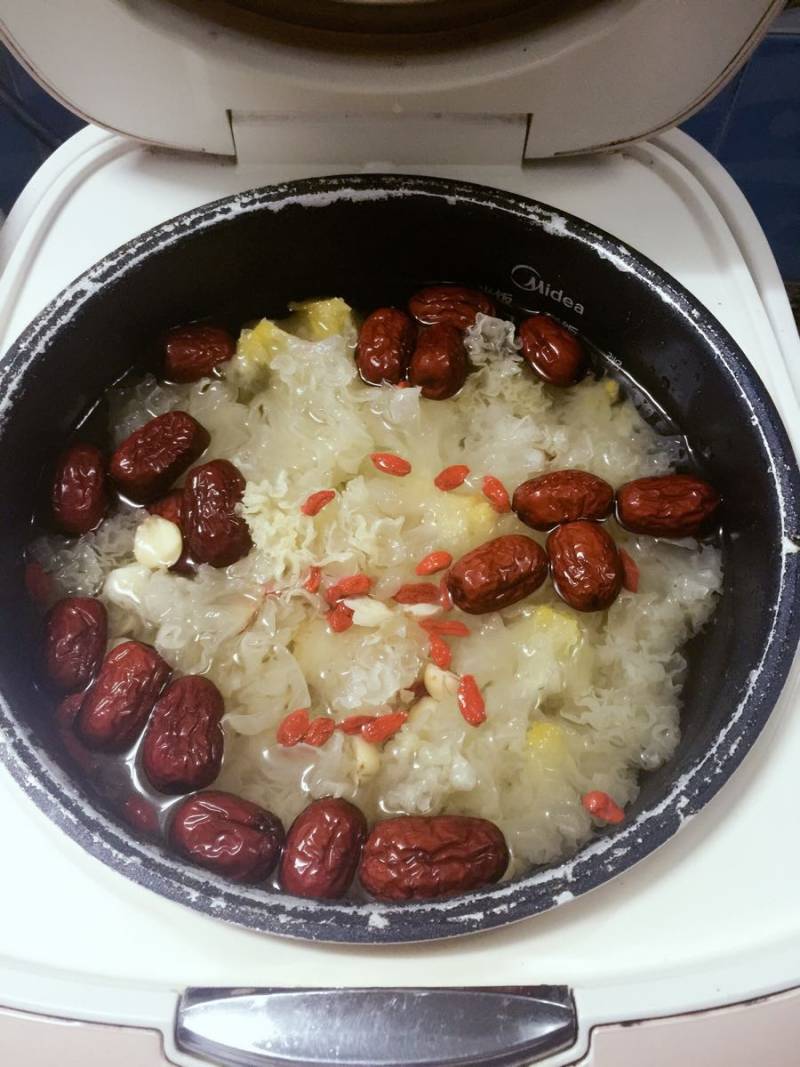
{"x": 752, "y": 127}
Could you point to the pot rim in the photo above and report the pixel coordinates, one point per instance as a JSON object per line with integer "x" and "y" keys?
{"x": 67, "y": 804}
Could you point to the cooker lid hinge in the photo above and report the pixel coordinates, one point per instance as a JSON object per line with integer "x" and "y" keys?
{"x": 379, "y": 139}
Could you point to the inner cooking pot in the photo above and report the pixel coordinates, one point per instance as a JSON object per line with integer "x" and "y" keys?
{"x": 374, "y": 240}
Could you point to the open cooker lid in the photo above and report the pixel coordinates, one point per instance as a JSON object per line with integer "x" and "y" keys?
{"x": 574, "y": 75}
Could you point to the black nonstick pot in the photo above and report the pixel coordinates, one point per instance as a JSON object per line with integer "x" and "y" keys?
{"x": 373, "y": 240}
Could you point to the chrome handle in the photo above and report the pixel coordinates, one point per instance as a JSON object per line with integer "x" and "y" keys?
{"x": 494, "y": 1026}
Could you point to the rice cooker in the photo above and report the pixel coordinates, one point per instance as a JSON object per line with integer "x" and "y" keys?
{"x": 692, "y": 951}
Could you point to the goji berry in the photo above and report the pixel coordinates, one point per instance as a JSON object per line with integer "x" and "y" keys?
{"x": 451, "y": 477}
{"x": 435, "y": 561}
{"x": 445, "y": 628}
{"x": 140, "y": 814}
{"x": 317, "y": 501}
{"x": 383, "y": 727}
{"x": 292, "y": 729}
{"x": 602, "y": 806}
{"x": 496, "y": 493}
{"x": 470, "y": 701}
{"x": 417, "y": 593}
{"x": 353, "y": 723}
{"x": 440, "y": 652}
{"x": 630, "y": 572}
{"x": 320, "y": 731}
{"x": 340, "y": 618}
{"x": 313, "y": 579}
{"x": 390, "y": 464}
{"x": 353, "y": 585}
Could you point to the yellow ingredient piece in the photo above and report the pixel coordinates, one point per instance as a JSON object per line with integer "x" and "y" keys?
{"x": 612, "y": 389}
{"x": 461, "y": 522}
{"x": 561, "y": 631}
{"x": 546, "y": 738}
{"x": 314, "y": 320}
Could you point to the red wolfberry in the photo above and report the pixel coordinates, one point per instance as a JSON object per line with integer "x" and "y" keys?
{"x": 630, "y": 572}
{"x": 140, "y": 814}
{"x": 390, "y": 464}
{"x": 340, "y": 618}
{"x": 317, "y": 501}
{"x": 451, "y": 477}
{"x": 445, "y": 628}
{"x": 353, "y": 585}
{"x": 445, "y": 599}
{"x": 320, "y": 731}
{"x": 417, "y": 593}
{"x": 602, "y": 806}
{"x": 353, "y": 723}
{"x": 440, "y": 652}
{"x": 313, "y": 579}
{"x": 470, "y": 701}
{"x": 383, "y": 727}
{"x": 435, "y": 561}
{"x": 38, "y": 584}
{"x": 496, "y": 493}
{"x": 292, "y": 729}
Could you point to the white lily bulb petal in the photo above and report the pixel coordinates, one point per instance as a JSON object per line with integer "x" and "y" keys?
{"x": 157, "y": 543}
{"x": 124, "y": 586}
{"x": 367, "y": 611}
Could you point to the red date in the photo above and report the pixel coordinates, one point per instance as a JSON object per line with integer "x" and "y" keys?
{"x": 195, "y": 351}
{"x": 227, "y": 835}
{"x": 562, "y": 496}
{"x": 415, "y": 857}
{"x": 552, "y": 351}
{"x": 147, "y": 463}
{"x": 497, "y": 573}
{"x": 451, "y": 304}
{"x": 214, "y": 533}
{"x": 75, "y": 641}
{"x": 439, "y": 363}
{"x": 182, "y": 748}
{"x": 322, "y": 850}
{"x": 669, "y": 505}
{"x": 79, "y": 496}
{"x": 116, "y": 707}
{"x": 586, "y": 567}
{"x": 385, "y": 345}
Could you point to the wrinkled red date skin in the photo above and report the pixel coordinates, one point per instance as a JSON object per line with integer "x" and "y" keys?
{"x": 116, "y": 707}
{"x": 227, "y": 835}
{"x": 182, "y": 748}
{"x": 669, "y": 505}
{"x": 562, "y": 496}
{"x": 452, "y": 304}
{"x": 439, "y": 363}
{"x": 322, "y": 850}
{"x": 79, "y": 497}
{"x": 497, "y": 573}
{"x": 75, "y": 641}
{"x": 586, "y": 567}
{"x": 214, "y": 533}
{"x": 147, "y": 463}
{"x": 170, "y": 507}
{"x": 195, "y": 351}
{"x": 385, "y": 345}
{"x": 553, "y": 351}
{"x": 415, "y": 857}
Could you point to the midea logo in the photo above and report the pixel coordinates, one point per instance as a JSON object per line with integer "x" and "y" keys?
{"x": 528, "y": 278}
